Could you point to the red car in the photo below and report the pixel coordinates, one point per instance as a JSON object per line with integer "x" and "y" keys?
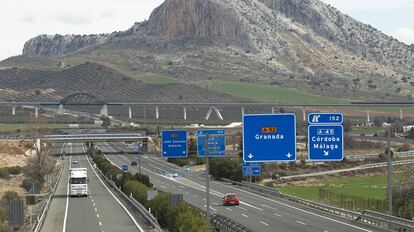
{"x": 231, "y": 199}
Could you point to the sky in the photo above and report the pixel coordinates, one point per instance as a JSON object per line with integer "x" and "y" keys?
{"x": 21, "y": 20}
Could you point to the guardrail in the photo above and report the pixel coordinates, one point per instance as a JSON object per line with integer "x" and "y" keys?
{"x": 224, "y": 224}
{"x": 138, "y": 206}
{"x": 39, "y": 220}
{"x": 373, "y": 218}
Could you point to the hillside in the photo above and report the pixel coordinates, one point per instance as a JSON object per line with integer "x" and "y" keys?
{"x": 28, "y": 85}
{"x": 299, "y": 44}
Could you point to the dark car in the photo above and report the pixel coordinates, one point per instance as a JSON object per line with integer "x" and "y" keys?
{"x": 231, "y": 199}
{"x": 134, "y": 163}
{"x": 275, "y": 176}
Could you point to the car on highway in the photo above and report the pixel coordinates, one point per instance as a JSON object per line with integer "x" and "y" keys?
{"x": 275, "y": 176}
{"x": 75, "y": 161}
{"x": 231, "y": 199}
{"x": 134, "y": 163}
{"x": 175, "y": 175}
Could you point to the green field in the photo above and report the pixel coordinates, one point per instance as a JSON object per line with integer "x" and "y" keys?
{"x": 373, "y": 187}
{"x": 266, "y": 93}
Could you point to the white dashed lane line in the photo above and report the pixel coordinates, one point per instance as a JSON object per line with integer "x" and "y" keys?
{"x": 301, "y": 223}
{"x": 264, "y": 223}
{"x": 242, "y": 208}
{"x": 244, "y": 215}
{"x": 229, "y": 209}
{"x": 277, "y": 215}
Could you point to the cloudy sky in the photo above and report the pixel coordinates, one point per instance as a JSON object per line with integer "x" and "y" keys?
{"x": 24, "y": 19}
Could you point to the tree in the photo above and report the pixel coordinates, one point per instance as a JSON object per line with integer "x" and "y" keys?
{"x": 40, "y": 165}
{"x": 411, "y": 133}
{"x": 106, "y": 122}
{"x": 347, "y": 125}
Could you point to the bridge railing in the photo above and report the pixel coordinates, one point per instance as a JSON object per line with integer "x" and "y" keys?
{"x": 224, "y": 224}
{"x": 373, "y": 218}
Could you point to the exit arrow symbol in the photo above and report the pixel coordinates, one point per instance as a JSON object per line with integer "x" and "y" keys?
{"x": 289, "y": 155}
{"x": 326, "y": 153}
{"x": 250, "y": 156}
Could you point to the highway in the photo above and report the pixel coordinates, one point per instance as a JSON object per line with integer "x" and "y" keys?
{"x": 101, "y": 211}
{"x": 257, "y": 212}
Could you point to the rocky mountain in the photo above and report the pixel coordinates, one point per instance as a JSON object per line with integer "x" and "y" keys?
{"x": 304, "y": 44}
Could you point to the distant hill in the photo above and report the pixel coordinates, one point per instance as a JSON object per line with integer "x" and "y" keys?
{"x": 300, "y": 44}
{"x": 17, "y": 85}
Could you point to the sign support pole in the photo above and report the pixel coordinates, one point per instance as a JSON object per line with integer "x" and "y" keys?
{"x": 389, "y": 173}
{"x": 207, "y": 183}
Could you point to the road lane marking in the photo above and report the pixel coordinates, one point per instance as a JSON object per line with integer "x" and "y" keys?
{"x": 277, "y": 215}
{"x": 100, "y": 223}
{"x": 229, "y": 209}
{"x": 205, "y": 206}
{"x": 194, "y": 195}
{"x": 96, "y": 210}
{"x": 67, "y": 197}
{"x": 97, "y": 215}
{"x": 295, "y": 208}
{"x": 125, "y": 209}
{"x": 187, "y": 192}
{"x": 301, "y": 223}
{"x": 264, "y": 223}
{"x": 242, "y": 208}
{"x": 244, "y": 215}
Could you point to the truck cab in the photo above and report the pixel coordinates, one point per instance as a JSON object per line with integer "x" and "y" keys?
{"x": 78, "y": 182}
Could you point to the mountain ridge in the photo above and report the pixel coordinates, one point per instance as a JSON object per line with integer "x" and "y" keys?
{"x": 304, "y": 44}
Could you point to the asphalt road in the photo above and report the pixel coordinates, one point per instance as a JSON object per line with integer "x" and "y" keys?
{"x": 101, "y": 211}
{"x": 256, "y": 212}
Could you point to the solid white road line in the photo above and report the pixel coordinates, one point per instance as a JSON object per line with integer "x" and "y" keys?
{"x": 119, "y": 202}
{"x": 67, "y": 197}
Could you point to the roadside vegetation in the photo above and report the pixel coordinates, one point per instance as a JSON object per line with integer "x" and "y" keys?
{"x": 178, "y": 218}
{"x": 358, "y": 193}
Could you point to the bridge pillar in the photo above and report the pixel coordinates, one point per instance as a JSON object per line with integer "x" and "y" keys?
{"x": 60, "y": 110}
{"x": 129, "y": 113}
{"x": 185, "y": 112}
{"x": 157, "y": 113}
{"x": 209, "y": 113}
{"x": 36, "y": 111}
{"x": 401, "y": 114}
{"x": 218, "y": 113}
{"x": 242, "y": 111}
{"x": 273, "y": 109}
{"x": 13, "y": 110}
{"x": 304, "y": 113}
{"x": 368, "y": 115}
{"x": 104, "y": 110}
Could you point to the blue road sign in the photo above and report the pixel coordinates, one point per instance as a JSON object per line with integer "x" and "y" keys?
{"x": 174, "y": 144}
{"x": 216, "y": 143}
{"x": 124, "y": 168}
{"x": 325, "y": 118}
{"x": 251, "y": 169}
{"x": 325, "y": 142}
{"x": 269, "y": 138}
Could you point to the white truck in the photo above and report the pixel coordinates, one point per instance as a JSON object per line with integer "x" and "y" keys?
{"x": 78, "y": 182}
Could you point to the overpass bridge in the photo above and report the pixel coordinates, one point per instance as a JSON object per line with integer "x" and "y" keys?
{"x": 90, "y": 139}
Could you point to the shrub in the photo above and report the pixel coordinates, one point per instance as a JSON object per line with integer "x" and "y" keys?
{"x": 10, "y": 195}
{"x": 26, "y": 184}
{"x": 4, "y": 173}
{"x": 138, "y": 190}
{"x": 15, "y": 170}
{"x": 159, "y": 207}
{"x": 187, "y": 219}
{"x": 2, "y": 217}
